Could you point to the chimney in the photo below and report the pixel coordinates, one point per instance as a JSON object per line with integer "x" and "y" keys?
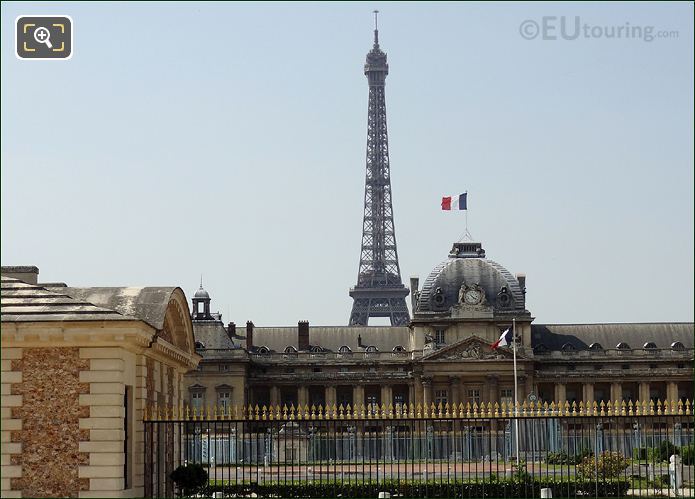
{"x": 303, "y": 336}
{"x": 414, "y": 294}
{"x": 522, "y": 281}
{"x": 25, "y": 273}
{"x": 249, "y": 335}
{"x": 231, "y": 330}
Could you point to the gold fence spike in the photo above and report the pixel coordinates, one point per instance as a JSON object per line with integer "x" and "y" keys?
{"x": 687, "y": 406}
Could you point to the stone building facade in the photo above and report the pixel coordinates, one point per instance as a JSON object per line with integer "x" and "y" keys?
{"x": 444, "y": 355}
{"x": 79, "y": 366}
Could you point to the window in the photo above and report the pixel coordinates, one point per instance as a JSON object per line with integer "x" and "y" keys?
{"x": 345, "y": 350}
{"x": 650, "y": 345}
{"x": 344, "y": 369}
{"x": 595, "y": 347}
{"x": 474, "y": 395}
{"x": 571, "y": 367}
{"x": 290, "y": 351}
{"x": 128, "y": 437}
{"x": 224, "y": 367}
{"x": 439, "y": 337}
{"x": 372, "y": 349}
{"x": 598, "y": 367}
{"x": 507, "y": 396}
{"x": 223, "y": 398}
{"x": 263, "y": 350}
{"x": 622, "y": 346}
{"x": 677, "y": 345}
{"x": 372, "y": 369}
{"x": 199, "y": 345}
{"x": 197, "y": 400}
{"x": 568, "y": 347}
{"x": 316, "y": 349}
{"x": 398, "y": 349}
{"x": 317, "y": 369}
{"x": 440, "y": 397}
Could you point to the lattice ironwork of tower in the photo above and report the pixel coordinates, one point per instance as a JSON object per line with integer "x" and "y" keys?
{"x": 379, "y": 291}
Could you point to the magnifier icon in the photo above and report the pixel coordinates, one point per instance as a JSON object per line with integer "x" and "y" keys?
{"x": 42, "y": 35}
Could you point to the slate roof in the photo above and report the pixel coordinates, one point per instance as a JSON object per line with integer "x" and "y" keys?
{"x": 22, "y": 302}
{"x": 453, "y": 272}
{"x": 581, "y": 336}
{"x": 148, "y": 304}
{"x": 213, "y": 335}
{"x": 333, "y": 337}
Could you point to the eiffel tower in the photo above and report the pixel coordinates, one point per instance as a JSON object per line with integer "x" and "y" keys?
{"x": 379, "y": 291}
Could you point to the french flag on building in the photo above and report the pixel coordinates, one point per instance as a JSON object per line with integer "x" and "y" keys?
{"x": 454, "y": 202}
{"x": 505, "y": 339}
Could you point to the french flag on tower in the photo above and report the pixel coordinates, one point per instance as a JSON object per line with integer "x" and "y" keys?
{"x": 454, "y": 202}
{"x": 505, "y": 339}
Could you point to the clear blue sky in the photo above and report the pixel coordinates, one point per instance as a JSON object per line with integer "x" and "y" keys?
{"x": 229, "y": 140}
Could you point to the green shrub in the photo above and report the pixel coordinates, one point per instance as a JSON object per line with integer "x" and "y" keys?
{"x": 566, "y": 459}
{"x": 609, "y": 465}
{"x": 666, "y": 450}
{"x": 190, "y": 478}
{"x": 688, "y": 454}
{"x": 455, "y": 489}
{"x": 640, "y": 453}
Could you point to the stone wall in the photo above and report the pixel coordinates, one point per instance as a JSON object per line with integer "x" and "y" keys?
{"x": 47, "y": 391}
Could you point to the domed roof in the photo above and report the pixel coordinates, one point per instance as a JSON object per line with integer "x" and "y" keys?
{"x": 201, "y": 293}
{"x": 468, "y": 267}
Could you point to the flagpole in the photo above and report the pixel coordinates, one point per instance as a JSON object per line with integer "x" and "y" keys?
{"x": 516, "y": 396}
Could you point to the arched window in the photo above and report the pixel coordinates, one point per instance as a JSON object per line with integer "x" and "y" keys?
{"x": 372, "y": 349}
{"x": 345, "y": 350}
{"x": 677, "y": 345}
{"x": 568, "y": 347}
{"x": 650, "y": 345}
{"x": 199, "y": 345}
{"x": 316, "y": 349}
{"x": 595, "y": 347}
{"x": 398, "y": 349}
{"x": 290, "y": 351}
{"x": 264, "y": 350}
{"x": 623, "y": 346}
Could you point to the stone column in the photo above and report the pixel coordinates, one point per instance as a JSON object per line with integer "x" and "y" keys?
{"x": 331, "y": 395}
{"x": 358, "y": 396}
{"x": 274, "y": 396}
{"x": 386, "y": 395}
{"x": 616, "y": 392}
{"x": 418, "y": 392}
{"x": 588, "y": 394}
{"x": 411, "y": 394}
{"x": 303, "y": 396}
{"x": 427, "y": 392}
{"x": 492, "y": 382}
{"x": 644, "y": 391}
{"x": 672, "y": 391}
{"x": 454, "y": 390}
{"x": 528, "y": 386}
{"x": 560, "y": 393}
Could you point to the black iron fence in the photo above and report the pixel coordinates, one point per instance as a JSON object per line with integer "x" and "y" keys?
{"x": 411, "y": 452}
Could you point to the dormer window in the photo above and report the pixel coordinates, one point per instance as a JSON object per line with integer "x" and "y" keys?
{"x": 678, "y": 346}
{"x": 345, "y": 350}
{"x": 398, "y": 349}
{"x": 199, "y": 345}
{"x": 595, "y": 347}
{"x": 623, "y": 346}
{"x": 372, "y": 349}
{"x": 317, "y": 349}
{"x": 264, "y": 350}
{"x": 650, "y": 345}
{"x": 541, "y": 349}
{"x": 568, "y": 347}
{"x": 290, "y": 351}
